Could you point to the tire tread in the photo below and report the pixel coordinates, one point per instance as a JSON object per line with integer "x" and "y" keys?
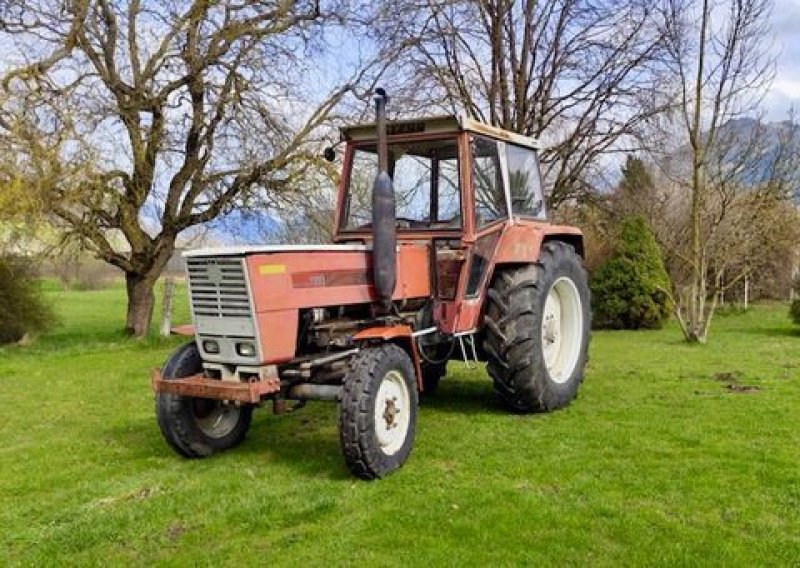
{"x": 361, "y": 455}
{"x": 171, "y": 411}
{"x": 517, "y": 294}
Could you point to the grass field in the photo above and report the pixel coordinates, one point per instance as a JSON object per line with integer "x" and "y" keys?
{"x": 666, "y": 458}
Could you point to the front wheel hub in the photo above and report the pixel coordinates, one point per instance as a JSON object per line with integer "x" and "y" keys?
{"x": 392, "y": 412}
{"x": 215, "y": 418}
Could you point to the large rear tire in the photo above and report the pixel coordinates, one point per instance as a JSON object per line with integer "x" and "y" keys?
{"x": 434, "y": 350}
{"x": 378, "y": 411}
{"x": 431, "y": 375}
{"x": 197, "y": 427}
{"x": 537, "y": 330}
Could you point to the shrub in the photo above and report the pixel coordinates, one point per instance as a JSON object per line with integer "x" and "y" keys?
{"x": 629, "y": 291}
{"x": 22, "y": 308}
{"x": 794, "y": 309}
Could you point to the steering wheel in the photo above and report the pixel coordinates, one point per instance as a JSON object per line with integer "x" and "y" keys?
{"x": 408, "y": 221}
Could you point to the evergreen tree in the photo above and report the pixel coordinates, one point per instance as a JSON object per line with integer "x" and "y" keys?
{"x": 636, "y": 179}
{"x": 629, "y": 291}
{"x": 636, "y": 193}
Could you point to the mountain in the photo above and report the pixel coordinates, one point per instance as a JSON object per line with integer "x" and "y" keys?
{"x": 246, "y": 227}
{"x": 749, "y": 151}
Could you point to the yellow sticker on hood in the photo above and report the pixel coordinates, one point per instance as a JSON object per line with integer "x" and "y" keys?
{"x": 265, "y": 269}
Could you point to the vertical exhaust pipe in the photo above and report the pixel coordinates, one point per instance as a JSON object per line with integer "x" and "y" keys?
{"x": 384, "y": 233}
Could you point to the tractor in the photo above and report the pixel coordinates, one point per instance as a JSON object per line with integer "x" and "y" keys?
{"x": 442, "y": 251}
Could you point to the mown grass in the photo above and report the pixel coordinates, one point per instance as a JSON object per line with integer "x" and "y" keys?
{"x": 658, "y": 462}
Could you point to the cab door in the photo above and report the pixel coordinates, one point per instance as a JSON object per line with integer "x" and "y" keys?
{"x": 485, "y": 214}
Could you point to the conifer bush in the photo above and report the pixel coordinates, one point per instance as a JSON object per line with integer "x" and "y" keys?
{"x": 630, "y": 290}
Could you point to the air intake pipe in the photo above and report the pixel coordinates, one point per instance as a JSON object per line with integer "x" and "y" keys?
{"x": 384, "y": 232}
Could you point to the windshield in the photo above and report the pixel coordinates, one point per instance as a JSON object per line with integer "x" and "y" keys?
{"x": 425, "y": 179}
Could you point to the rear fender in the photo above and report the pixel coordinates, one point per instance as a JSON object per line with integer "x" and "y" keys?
{"x": 521, "y": 243}
{"x": 399, "y": 334}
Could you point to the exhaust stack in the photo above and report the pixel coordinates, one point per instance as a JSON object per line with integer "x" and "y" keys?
{"x": 384, "y": 233}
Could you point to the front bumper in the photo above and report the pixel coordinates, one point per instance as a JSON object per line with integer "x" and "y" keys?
{"x": 200, "y": 386}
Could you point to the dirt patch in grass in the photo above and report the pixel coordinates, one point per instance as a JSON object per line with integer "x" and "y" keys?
{"x": 137, "y": 495}
{"x": 728, "y": 376}
{"x": 175, "y": 530}
{"x": 730, "y": 387}
{"x": 733, "y": 384}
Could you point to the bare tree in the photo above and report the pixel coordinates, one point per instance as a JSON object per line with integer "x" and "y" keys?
{"x": 133, "y": 121}
{"x": 305, "y": 215}
{"x": 575, "y": 73}
{"x": 719, "y": 58}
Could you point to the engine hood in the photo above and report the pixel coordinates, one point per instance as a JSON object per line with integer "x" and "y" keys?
{"x": 244, "y": 250}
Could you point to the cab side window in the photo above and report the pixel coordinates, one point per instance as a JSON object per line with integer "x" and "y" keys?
{"x": 448, "y": 202}
{"x": 490, "y": 200}
{"x": 524, "y": 181}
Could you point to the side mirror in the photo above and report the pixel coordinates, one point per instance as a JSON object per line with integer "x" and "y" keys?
{"x": 329, "y": 153}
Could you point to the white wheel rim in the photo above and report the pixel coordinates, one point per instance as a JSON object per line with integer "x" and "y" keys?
{"x": 392, "y": 412}
{"x": 562, "y": 329}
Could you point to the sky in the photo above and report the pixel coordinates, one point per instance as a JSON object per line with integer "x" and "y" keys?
{"x": 785, "y": 90}
{"x": 342, "y": 54}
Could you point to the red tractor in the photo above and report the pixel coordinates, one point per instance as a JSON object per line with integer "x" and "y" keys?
{"x": 442, "y": 251}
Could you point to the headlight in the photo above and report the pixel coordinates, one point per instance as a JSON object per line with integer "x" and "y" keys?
{"x": 246, "y": 349}
{"x": 210, "y": 346}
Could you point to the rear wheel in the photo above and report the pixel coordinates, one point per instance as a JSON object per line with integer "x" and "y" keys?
{"x": 434, "y": 351}
{"x": 433, "y": 363}
{"x": 537, "y": 330}
{"x": 378, "y": 411}
{"x": 197, "y": 427}
{"x": 431, "y": 375}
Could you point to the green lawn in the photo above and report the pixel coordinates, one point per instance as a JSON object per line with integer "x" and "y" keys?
{"x": 658, "y": 462}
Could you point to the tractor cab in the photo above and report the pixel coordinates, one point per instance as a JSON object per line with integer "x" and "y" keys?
{"x": 451, "y": 175}
{"x": 458, "y": 185}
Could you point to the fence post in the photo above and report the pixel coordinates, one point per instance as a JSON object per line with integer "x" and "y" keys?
{"x": 746, "y": 291}
{"x": 166, "y": 308}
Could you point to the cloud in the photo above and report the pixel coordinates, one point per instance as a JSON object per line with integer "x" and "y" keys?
{"x": 786, "y": 18}
{"x": 785, "y": 91}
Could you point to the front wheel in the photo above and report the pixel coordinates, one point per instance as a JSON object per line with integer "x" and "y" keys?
{"x": 197, "y": 427}
{"x": 537, "y": 330}
{"x": 378, "y": 411}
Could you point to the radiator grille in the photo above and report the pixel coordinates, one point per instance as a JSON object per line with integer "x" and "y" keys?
{"x": 218, "y": 287}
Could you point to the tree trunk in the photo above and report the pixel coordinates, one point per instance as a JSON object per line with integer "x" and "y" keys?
{"x": 697, "y": 293}
{"x": 141, "y": 300}
{"x": 141, "y": 282}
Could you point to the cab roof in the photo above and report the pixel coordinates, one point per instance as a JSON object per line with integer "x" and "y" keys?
{"x": 437, "y": 125}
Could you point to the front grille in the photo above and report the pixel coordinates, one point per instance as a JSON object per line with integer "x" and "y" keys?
{"x": 218, "y": 287}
